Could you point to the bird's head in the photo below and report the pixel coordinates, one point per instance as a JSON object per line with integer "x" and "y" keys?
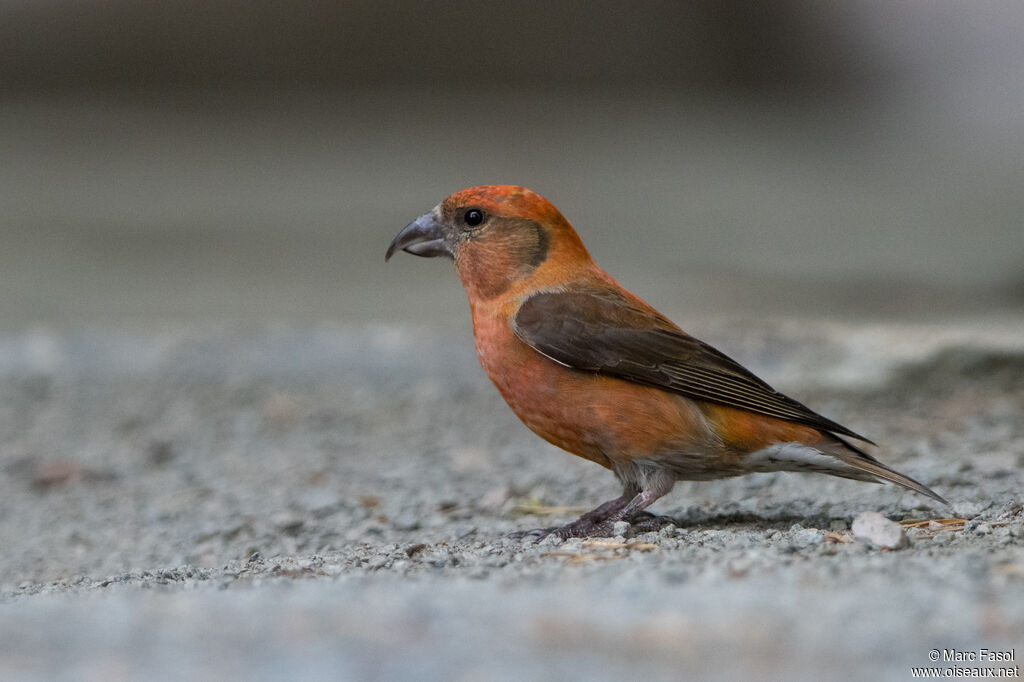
{"x": 496, "y": 234}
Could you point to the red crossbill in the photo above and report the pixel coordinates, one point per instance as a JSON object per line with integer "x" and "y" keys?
{"x": 593, "y": 369}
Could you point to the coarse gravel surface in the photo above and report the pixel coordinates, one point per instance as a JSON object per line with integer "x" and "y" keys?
{"x": 329, "y": 502}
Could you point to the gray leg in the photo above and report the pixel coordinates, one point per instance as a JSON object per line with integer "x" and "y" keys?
{"x": 599, "y": 522}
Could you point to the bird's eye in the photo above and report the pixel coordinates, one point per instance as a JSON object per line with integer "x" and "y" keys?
{"x": 474, "y": 217}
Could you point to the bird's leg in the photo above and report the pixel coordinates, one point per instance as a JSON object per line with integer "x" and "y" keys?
{"x": 608, "y": 508}
{"x": 600, "y": 521}
{"x": 641, "y": 520}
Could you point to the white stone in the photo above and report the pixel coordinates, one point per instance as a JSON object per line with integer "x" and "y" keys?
{"x": 880, "y": 531}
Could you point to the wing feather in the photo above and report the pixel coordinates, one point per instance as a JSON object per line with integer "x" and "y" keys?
{"x": 604, "y": 332}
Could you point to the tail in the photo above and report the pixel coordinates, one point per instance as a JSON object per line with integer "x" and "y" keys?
{"x": 870, "y": 469}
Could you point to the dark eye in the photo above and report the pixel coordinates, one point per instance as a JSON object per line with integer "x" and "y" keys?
{"x": 474, "y": 217}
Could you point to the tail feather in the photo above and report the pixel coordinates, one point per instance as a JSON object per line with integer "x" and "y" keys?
{"x": 863, "y": 462}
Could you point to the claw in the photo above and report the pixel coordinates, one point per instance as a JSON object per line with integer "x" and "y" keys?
{"x": 532, "y": 534}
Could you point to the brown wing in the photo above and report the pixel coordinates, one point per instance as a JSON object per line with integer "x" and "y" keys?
{"x": 603, "y": 332}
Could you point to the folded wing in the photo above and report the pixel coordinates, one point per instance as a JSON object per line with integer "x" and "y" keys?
{"x": 603, "y": 332}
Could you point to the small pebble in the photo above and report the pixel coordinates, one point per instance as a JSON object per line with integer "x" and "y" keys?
{"x": 880, "y": 531}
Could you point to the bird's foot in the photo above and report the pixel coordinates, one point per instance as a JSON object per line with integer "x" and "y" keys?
{"x": 641, "y": 522}
{"x": 600, "y": 522}
{"x": 580, "y": 528}
{"x": 594, "y": 524}
{"x": 646, "y": 522}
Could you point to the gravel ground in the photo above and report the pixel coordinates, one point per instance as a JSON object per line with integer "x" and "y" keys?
{"x": 323, "y": 502}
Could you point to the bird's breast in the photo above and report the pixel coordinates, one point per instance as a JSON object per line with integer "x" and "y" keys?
{"x": 596, "y": 417}
{"x": 537, "y": 389}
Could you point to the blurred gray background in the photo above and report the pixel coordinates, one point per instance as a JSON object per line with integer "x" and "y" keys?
{"x": 219, "y": 160}
{"x": 303, "y": 491}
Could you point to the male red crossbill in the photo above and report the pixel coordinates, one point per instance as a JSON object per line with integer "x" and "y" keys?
{"x": 593, "y": 369}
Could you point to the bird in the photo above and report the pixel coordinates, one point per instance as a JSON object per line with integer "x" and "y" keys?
{"x": 593, "y": 369}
